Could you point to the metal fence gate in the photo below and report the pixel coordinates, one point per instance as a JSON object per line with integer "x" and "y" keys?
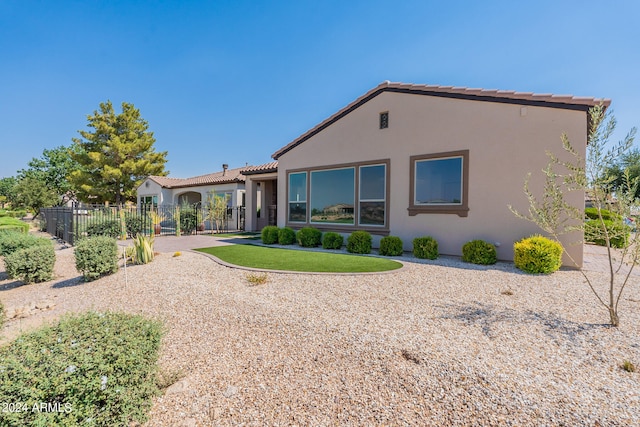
{"x": 72, "y": 223}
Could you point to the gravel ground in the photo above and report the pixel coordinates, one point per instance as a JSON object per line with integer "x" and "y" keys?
{"x": 437, "y": 343}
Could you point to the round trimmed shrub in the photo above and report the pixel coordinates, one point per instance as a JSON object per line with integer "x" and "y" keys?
{"x": 425, "y": 247}
{"x": 359, "y": 242}
{"x": 269, "y": 235}
{"x": 8, "y": 223}
{"x": 31, "y": 265}
{"x": 12, "y": 241}
{"x": 309, "y": 237}
{"x": 332, "y": 240}
{"x": 96, "y": 257}
{"x": 286, "y": 236}
{"x": 537, "y": 255}
{"x": 391, "y": 246}
{"x": 592, "y": 213}
{"x": 617, "y": 230}
{"x": 479, "y": 252}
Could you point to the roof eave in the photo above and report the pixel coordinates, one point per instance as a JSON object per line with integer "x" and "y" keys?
{"x": 509, "y": 97}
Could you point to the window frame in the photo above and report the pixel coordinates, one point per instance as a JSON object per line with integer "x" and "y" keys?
{"x": 385, "y": 199}
{"x": 377, "y": 229}
{"x": 306, "y": 196}
{"x": 461, "y": 209}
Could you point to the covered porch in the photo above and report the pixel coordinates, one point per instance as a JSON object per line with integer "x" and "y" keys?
{"x": 261, "y": 186}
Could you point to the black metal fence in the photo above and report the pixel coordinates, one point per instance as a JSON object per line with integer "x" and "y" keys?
{"x": 72, "y": 223}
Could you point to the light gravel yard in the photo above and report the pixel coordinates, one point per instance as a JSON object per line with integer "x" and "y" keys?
{"x": 436, "y": 343}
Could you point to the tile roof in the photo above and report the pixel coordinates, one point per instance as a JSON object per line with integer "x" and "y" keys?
{"x": 265, "y": 168}
{"x": 487, "y": 95}
{"x": 222, "y": 177}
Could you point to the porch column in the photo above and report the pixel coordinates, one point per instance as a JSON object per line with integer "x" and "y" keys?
{"x": 251, "y": 200}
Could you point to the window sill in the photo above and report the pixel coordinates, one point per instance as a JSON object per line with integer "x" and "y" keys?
{"x": 338, "y": 228}
{"x": 461, "y": 211}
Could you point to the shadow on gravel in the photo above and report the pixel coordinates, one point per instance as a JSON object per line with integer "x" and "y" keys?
{"x": 10, "y": 285}
{"x": 487, "y": 317}
{"x": 74, "y": 281}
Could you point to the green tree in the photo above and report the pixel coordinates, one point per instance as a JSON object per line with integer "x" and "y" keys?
{"x": 7, "y": 189}
{"x": 34, "y": 194}
{"x": 53, "y": 168}
{"x": 556, "y": 217}
{"x": 115, "y": 156}
{"x": 628, "y": 162}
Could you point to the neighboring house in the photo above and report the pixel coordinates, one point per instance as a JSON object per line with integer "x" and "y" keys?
{"x": 416, "y": 160}
{"x": 162, "y": 191}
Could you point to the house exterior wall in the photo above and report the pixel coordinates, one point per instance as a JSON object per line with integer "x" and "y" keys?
{"x": 151, "y": 188}
{"x": 504, "y": 143}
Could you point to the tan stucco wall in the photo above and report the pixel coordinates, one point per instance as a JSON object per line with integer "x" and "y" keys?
{"x": 505, "y": 142}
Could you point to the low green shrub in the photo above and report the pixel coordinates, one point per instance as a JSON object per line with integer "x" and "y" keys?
{"x": 332, "y": 240}
{"x": 96, "y": 257}
{"x": 592, "y": 213}
{"x": 286, "y": 236}
{"x": 18, "y": 213}
{"x": 12, "y": 241}
{"x": 537, "y": 254}
{"x": 617, "y": 230}
{"x": 31, "y": 265}
{"x": 100, "y": 368}
{"x": 479, "y": 252}
{"x": 309, "y": 237}
{"x": 188, "y": 220}
{"x": 8, "y": 223}
{"x": 269, "y": 235}
{"x": 425, "y": 247}
{"x": 359, "y": 242}
{"x": 107, "y": 227}
{"x": 136, "y": 224}
{"x": 391, "y": 246}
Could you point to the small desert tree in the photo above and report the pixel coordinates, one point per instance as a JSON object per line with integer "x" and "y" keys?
{"x": 216, "y": 209}
{"x": 554, "y": 215}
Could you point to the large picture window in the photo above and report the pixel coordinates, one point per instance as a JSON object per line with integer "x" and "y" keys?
{"x": 332, "y": 196}
{"x": 439, "y": 183}
{"x": 349, "y": 196}
{"x": 298, "y": 197}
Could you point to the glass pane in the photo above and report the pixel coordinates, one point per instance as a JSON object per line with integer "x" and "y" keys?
{"x": 332, "y": 196}
{"x": 298, "y": 187}
{"x": 371, "y": 213}
{"x": 439, "y": 181}
{"x": 372, "y": 182}
{"x": 297, "y": 212}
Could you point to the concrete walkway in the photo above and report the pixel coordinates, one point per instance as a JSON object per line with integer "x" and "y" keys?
{"x": 169, "y": 244}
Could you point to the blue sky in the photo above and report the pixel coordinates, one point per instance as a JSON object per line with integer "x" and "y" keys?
{"x": 233, "y": 81}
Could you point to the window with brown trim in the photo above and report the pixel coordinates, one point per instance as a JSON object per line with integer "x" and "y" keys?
{"x": 439, "y": 183}
{"x": 340, "y": 197}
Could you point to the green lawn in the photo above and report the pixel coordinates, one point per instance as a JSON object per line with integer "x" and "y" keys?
{"x": 298, "y": 260}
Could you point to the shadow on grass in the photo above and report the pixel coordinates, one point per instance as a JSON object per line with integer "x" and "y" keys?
{"x": 487, "y": 317}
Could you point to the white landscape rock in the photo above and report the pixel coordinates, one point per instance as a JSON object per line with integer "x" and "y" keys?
{"x": 437, "y": 343}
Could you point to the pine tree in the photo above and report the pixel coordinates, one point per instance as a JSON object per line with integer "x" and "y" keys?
{"x": 116, "y": 156}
